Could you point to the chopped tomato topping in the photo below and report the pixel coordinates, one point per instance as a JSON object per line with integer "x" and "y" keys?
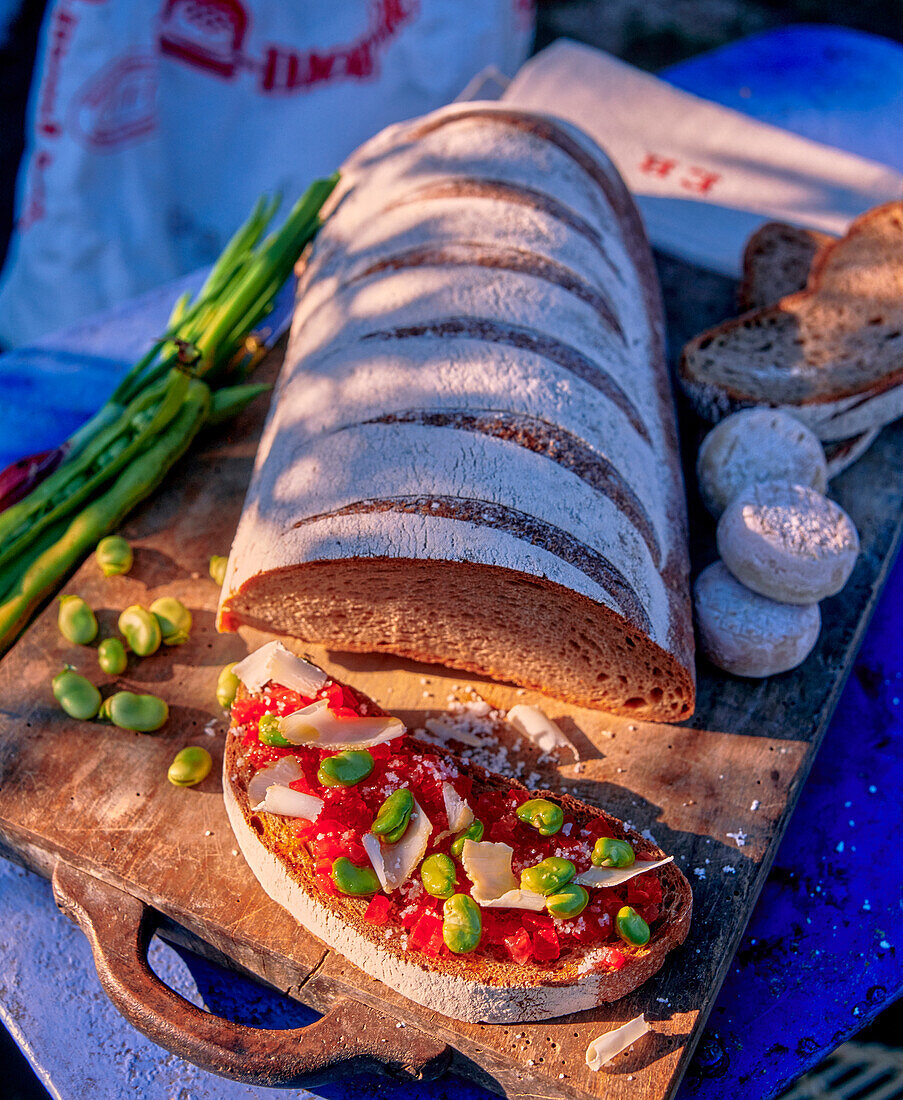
{"x": 520, "y": 947}
{"x": 613, "y": 957}
{"x": 379, "y": 909}
{"x": 426, "y": 934}
{"x": 545, "y": 945}
{"x": 349, "y": 812}
{"x": 536, "y": 921}
{"x": 325, "y": 883}
{"x": 342, "y": 701}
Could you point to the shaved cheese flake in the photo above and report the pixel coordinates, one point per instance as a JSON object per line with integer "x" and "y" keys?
{"x": 514, "y": 899}
{"x": 274, "y": 662}
{"x": 604, "y": 1047}
{"x": 488, "y": 866}
{"x": 614, "y": 876}
{"x": 459, "y": 814}
{"x": 448, "y": 731}
{"x": 284, "y": 772}
{"x": 534, "y": 724}
{"x": 395, "y": 863}
{"x": 290, "y": 803}
{"x": 317, "y": 725}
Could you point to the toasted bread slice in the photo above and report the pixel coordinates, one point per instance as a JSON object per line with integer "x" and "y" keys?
{"x": 831, "y": 354}
{"x": 495, "y": 983}
{"x": 776, "y": 261}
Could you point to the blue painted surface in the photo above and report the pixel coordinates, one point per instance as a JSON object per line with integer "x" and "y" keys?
{"x": 836, "y": 86}
{"x": 52, "y": 388}
{"x": 820, "y": 956}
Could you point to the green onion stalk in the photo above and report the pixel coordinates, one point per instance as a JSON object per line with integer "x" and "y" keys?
{"x": 56, "y": 506}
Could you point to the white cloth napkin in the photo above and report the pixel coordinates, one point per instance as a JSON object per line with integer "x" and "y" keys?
{"x": 704, "y": 177}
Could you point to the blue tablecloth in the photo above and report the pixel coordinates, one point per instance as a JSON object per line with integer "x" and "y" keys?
{"x": 819, "y": 958}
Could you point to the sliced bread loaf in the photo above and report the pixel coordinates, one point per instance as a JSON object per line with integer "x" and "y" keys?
{"x": 831, "y": 354}
{"x": 471, "y": 456}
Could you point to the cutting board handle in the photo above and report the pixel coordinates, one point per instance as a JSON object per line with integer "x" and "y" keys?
{"x": 351, "y": 1035}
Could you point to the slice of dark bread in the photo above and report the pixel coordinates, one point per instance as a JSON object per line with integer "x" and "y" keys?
{"x": 776, "y": 261}
{"x": 465, "y": 987}
{"x": 832, "y": 354}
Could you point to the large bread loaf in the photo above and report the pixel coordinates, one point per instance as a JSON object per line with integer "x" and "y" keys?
{"x": 471, "y": 454}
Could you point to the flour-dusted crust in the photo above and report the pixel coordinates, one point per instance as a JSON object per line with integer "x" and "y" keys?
{"x": 757, "y": 445}
{"x": 788, "y": 542}
{"x": 748, "y": 634}
{"x": 831, "y": 354}
{"x": 471, "y": 456}
{"x": 462, "y": 987}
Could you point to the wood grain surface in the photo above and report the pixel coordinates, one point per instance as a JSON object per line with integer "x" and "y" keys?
{"x": 717, "y": 791}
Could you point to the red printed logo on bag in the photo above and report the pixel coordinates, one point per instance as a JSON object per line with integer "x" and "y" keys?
{"x": 692, "y": 178}
{"x": 59, "y": 38}
{"x": 118, "y": 105}
{"x": 207, "y": 34}
{"x": 210, "y": 35}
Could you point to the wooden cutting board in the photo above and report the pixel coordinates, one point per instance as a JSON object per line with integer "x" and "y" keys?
{"x": 90, "y": 804}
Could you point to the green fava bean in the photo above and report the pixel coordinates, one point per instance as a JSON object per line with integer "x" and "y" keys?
{"x": 111, "y": 656}
{"x": 141, "y": 629}
{"x": 269, "y": 731}
{"x": 190, "y": 766}
{"x": 474, "y": 831}
{"x": 354, "y": 880}
{"x": 345, "y": 769}
{"x": 114, "y": 556}
{"x": 631, "y": 927}
{"x": 544, "y": 816}
{"x": 139, "y": 713}
{"x": 227, "y": 686}
{"x": 438, "y": 874}
{"x": 609, "y": 852}
{"x": 217, "y": 568}
{"x": 569, "y": 901}
{"x": 76, "y": 621}
{"x": 548, "y": 876}
{"x": 393, "y": 816}
{"x": 462, "y": 924}
{"x": 174, "y": 619}
{"x": 78, "y": 697}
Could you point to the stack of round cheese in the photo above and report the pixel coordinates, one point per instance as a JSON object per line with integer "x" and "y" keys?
{"x": 784, "y": 545}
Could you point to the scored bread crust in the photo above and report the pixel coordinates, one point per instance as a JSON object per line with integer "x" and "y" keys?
{"x": 839, "y": 389}
{"x": 475, "y": 396}
{"x": 462, "y": 987}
